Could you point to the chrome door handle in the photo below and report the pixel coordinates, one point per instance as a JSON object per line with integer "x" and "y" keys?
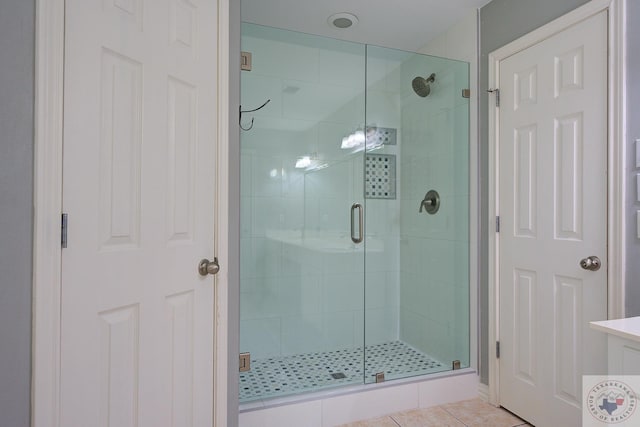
{"x": 208, "y": 267}
{"x": 359, "y": 238}
{"x": 591, "y": 263}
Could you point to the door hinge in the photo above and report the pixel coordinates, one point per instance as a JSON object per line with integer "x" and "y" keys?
{"x": 63, "y": 230}
{"x": 497, "y": 349}
{"x": 497, "y": 93}
{"x": 245, "y": 362}
{"x": 466, "y": 93}
{"x": 245, "y": 61}
{"x": 497, "y": 224}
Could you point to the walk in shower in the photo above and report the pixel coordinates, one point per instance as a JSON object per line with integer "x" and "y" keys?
{"x": 354, "y": 214}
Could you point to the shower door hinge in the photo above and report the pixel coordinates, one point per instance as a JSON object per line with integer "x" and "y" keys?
{"x": 245, "y": 362}
{"x": 455, "y": 365}
{"x": 466, "y": 93}
{"x": 380, "y": 377}
{"x": 497, "y": 349}
{"x": 497, "y": 224}
{"x": 63, "y": 230}
{"x": 245, "y": 61}
{"x": 497, "y": 92}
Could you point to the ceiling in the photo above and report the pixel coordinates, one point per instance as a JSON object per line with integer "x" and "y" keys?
{"x": 400, "y": 24}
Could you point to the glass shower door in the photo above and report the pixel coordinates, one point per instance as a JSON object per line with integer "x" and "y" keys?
{"x": 302, "y": 273}
{"x": 354, "y": 214}
{"x": 417, "y": 245}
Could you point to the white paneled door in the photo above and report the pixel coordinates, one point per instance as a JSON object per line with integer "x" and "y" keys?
{"x": 553, "y": 214}
{"x": 139, "y": 170}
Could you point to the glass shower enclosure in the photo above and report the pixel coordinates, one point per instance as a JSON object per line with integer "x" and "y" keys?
{"x": 354, "y": 214}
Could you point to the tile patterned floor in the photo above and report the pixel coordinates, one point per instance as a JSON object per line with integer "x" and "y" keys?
{"x": 468, "y": 413}
{"x": 282, "y": 376}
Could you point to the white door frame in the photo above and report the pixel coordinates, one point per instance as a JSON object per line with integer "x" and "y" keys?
{"x": 49, "y": 79}
{"x": 615, "y": 162}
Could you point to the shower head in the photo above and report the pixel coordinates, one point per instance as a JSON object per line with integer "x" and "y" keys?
{"x": 421, "y": 86}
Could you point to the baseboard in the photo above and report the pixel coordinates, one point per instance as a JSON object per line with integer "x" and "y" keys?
{"x": 483, "y": 392}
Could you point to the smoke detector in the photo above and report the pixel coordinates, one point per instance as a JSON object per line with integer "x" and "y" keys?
{"x": 343, "y": 20}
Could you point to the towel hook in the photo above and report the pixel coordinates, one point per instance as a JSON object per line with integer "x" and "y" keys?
{"x": 250, "y": 111}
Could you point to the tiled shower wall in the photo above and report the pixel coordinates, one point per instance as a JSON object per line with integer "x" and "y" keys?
{"x": 302, "y": 281}
{"x": 459, "y": 42}
{"x": 434, "y": 249}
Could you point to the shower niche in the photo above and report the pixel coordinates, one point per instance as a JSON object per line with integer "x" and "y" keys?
{"x": 350, "y": 125}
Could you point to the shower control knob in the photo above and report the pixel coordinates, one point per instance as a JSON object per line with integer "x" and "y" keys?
{"x": 591, "y": 263}
{"x": 431, "y": 202}
{"x": 206, "y": 267}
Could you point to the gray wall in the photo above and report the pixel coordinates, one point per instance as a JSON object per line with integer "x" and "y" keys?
{"x": 501, "y": 22}
{"x": 633, "y": 132}
{"x": 16, "y": 193}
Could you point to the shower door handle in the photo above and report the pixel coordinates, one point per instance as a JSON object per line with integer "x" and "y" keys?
{"x": 359, "y": 238}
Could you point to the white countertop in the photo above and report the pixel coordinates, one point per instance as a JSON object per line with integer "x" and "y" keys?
{"x": 628, "y": 328}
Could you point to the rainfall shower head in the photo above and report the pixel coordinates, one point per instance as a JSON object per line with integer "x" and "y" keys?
{"x": 421, "y": 86}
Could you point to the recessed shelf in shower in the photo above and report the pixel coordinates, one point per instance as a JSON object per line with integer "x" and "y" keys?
{"x": 380, "y": 176}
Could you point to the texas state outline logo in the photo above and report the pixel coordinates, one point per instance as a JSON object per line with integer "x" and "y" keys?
{"x": 611, "y": 401}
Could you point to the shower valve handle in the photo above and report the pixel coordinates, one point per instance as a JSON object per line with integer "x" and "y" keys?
{"x": 427, "y": 202}
{"x": 431, "y": 202}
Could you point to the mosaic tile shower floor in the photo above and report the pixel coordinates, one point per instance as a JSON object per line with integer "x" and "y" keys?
{"x": 286, "y": 375}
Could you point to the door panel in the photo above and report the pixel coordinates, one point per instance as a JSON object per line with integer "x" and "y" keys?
{"x": 553, "y": 212}
{"x": 139, "y": 186}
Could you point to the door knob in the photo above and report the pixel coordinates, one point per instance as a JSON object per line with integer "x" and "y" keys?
{"x": 591, "y": 263}
{"x": 208, "y": 267}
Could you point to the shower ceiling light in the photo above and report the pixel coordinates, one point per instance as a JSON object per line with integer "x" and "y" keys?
{"x": 303, "y": 162}
{"x": 357, "y": 140}
{"x": 342, "y": 20}
{"x": 354, "y": 140}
